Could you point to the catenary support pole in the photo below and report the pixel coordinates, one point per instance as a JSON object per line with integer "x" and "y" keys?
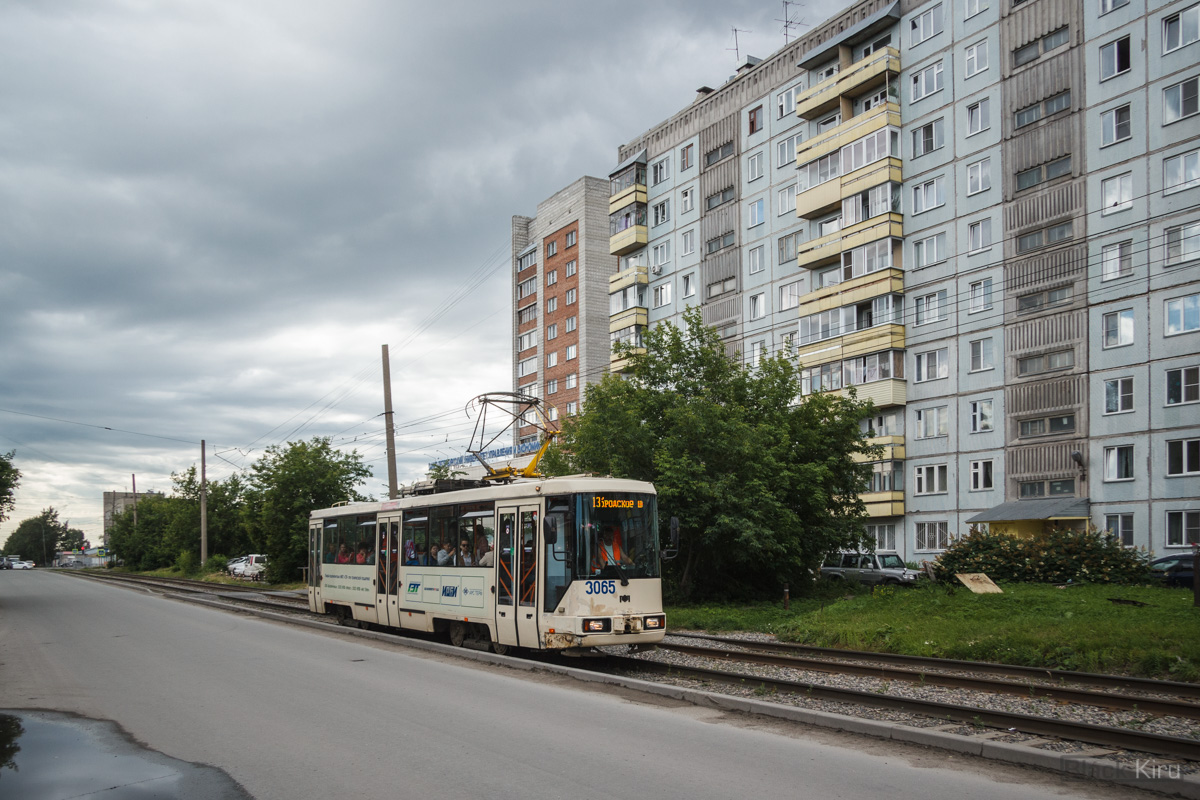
{"x": 391, "y": 429}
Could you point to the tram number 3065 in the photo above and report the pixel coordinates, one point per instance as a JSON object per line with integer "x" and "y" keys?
{"x": 600, "y": 587}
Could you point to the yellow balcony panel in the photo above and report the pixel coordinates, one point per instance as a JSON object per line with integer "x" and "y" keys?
{"x": 883, "y": 504}
{"x": 628, "y": 240}
{"x": 849, "y": 131}
{"x": 630, "y": 194}
{"x": 827, "y": 249}
{"x": 621, "y": 363}
{"x": 859, "y": 343}
{"x": 825, "y": 198}
{"x": 628, "y": 318}
{"x": 626, "y": 278}
{"x": 862, "y": 76}
{"x": 855, "y": 290}
{"x": 893, "y": 450}
{"x": 890, "y": 392}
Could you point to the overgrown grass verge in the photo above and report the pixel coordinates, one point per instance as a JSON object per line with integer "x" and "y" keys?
{"x": 1076, "y": 628}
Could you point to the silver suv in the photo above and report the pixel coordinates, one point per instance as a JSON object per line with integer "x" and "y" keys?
{"x": 869, "y": 568}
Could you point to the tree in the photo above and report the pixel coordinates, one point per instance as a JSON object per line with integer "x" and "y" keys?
{"x": 40, "y": 538}
{"x": 443, "y": 471}
{"x": 763, "y": 481}
{"x": 284, "y": 486}
{"x": 10, "y": 476}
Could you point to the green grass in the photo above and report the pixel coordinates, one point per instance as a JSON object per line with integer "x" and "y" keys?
{"x": 1076, "y": 628}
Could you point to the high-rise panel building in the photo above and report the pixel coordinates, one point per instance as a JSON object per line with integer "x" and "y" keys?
{"x": 984, "y": 215}
{"x": 561, "y": 266}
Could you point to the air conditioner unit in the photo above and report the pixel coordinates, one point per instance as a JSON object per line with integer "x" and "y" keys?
{"x": 657, "y": 270}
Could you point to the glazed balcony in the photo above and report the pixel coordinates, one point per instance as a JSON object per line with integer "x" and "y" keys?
{"x": 856, "y": 290}
{"x": 879, "y": 69}
{"x": 884, "y": 504}
{"x": 889, "y": 336}
{"x": 848, "y": 132}
{"x": 828, "y": 249}
{"x": 627, "y": 229}
{"x": 893, "y": 448}
{"x": 826, "y": 198}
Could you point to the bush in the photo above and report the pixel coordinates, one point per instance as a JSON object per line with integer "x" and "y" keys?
{"x": 215, "y": 564}
{"x": 188, "y": 562}
{"x": 1060, "y": 556}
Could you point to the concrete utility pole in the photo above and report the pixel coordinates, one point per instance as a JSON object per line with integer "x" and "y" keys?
{"x": 203, "y": 508}
{"x": 134, "y": 479}
{"x": 391, "y": 428}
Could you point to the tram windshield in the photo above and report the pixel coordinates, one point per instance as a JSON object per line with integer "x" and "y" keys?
{"x": 599, "y": 535}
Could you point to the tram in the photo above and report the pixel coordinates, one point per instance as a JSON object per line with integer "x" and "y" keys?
{"x": 564, "y": 563}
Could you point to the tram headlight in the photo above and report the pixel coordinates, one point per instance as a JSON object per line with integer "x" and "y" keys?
{"x": 597, "y": 625}
{"x": 654, "y": 623}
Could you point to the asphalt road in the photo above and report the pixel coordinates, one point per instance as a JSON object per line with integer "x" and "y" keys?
{"x": 292, "y": 713}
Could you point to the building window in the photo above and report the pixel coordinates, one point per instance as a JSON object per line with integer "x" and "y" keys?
{"x": 884, "y": 537}
{"x": 527, "y": 314}
{"x": 930, "y": 250}
{"x": 789, "y": 296}
{"x": 551, "y": 305}
{"x": 687, "y": 200}
{"x": 756, "y": 213}
{"x": 929, "y": 308}
{"x": 931, "y": 365}
{"x": 1118, "y": 328}
{"x": 1047, "y": 426}
{"x": 927, "y": 138}
{"x": 925, "y": 25}
{"x": 552, "y": 277}
{"x": 1118, "y": 395}
{"x": 786, "y": 102}
{"x": 1118, "y": 463}
{"x": 981, "y": 475}
{"x": 1183, "y": 457}
{"x": 1183, "y": 386}
{"x": 527, "y": 260}
{"x": 978, "y": 117}
{"x": 930, "y": 479}
{"x": 1030, "y": 489}
{"x": 787, "y": 247}
{"x": 1116, "y": 193}
{"x": 552, "y": 386}
{"x": 979, "y": 176}
{"x": 1039, "y": 47}
{"x": 1039, "y": 300}
{"x": 551, "y": 249}
{"x": 981, "y": 416}
{"x": 1116, "y": 260}
{"x": 930, "y": 194}
{"x": 1183, "y": 528}
{"x": 662, "y": 295}
{"x": 686, "y": 157}
{"x": 973, "y": 7}
{"x": 572, "y": 407}
{"x": 1044, "y": 172}
{"x": 572, "y": 238}
{"x": 1120, "y": 526}
{"x": 719, "y": 198}
{"x": 758, "y": 306}
{"x": 689, "y": 286}
{"x": 718, "y": 154}
{"x": 1049, "y": 362}
{"x": 754, "y": 167}
{"x": 571, "y": 381}
{"x": 571, "y": 294}
{"x": 570, "y": 268}
{"x": 1115, "y": 125}
{"x": 1180, "y": 100}
{"x": 758, "y": 256}
{"x": 687, "y": 243}
{"x": 979, "y": 237}
{"x": 660, "y": 254}
{"x": 527, "y": 340}
{"x": 1183, "y": 243}
{"x": 932, "y": 536}
{"x": 572, "y": 351}
{"x": 552, "y": 359}
{"x": 1183, "y": 315}
{"x": 977, "y": 58}
{"x": 927, "y": 81}
{"x": 527, "y": 287}
{"x": 756, "y": 119}
{"x": 787, "y": 200}
{"x": 1114, "y": 58}
{"x": 720, "y": 242}
{"x": 1062, "y": 487}
{"x": 659, "y": 171}
{"x": 570, "y": 324}
{"x": 1181, "y": 171}
{"x": 1181, "y": 29}
{"x": 526, "y": 367}
{"x": 931, "y": 422}
{"x": 1045, "y": 237}
{"x": 1049, "y": 106}
{"x": 981, "y": 355}
{"x": 829, "y": 123}
{"x": 718, "y": 288}
{"x": 662, "y": 212}
{"x": 787, "y": 150}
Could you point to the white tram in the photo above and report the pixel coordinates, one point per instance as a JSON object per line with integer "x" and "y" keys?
{"x": 548, "y": 564}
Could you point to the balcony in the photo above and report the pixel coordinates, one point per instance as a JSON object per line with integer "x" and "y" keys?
{"x": 626, "y": 278}
{"x": 878, "y": 69}
{"x": 826, "y": 198}
{"x": 884, "y": 504}
{"x": 856, "y": 290}
{"x": 893, "y": 448}
{"x": 890, "y": 392}
{"x": 627, "y": 229}
{"x": 889, "y": 336}
{"x": 828, "y": 249}
{"x": 848, "y": 132}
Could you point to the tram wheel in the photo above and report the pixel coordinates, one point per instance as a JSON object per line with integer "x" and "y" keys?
{"x": 502, "y": 649}
{"x": 458, "y": 632}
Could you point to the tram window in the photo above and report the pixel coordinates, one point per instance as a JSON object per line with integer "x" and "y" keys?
{"x": 559, "y": 521}
{"x": 416, "y": 538}
{"x": 528, "y": 584}
{"x": 477, "y": 527}
{"x": 443, "y": 532}
{"x": 330, "y": 541}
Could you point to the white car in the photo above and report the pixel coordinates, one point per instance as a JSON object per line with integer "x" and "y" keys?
{"x": 22, "y": 565}
{"x": 252, "y": 568}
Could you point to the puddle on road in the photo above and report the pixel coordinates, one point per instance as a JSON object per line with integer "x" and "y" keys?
{"x": 46, "y": 755}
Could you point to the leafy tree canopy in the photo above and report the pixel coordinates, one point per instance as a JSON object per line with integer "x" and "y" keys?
{"x": 764, "y": 482}
{"x": 10, "y": 476}
{"x": 39, "y": 538}
{"x": 284, "y": 486}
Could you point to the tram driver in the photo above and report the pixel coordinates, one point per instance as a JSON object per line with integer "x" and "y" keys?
{"x": 609, "y": 550}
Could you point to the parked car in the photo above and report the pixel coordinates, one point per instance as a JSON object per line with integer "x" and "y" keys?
{"x": 22, "y": 565}
{"x": 234, "y": 561}
{"x": 252, "y": 567}
{"x": 869, "y": 568}
{"x": 5, "y": 563}
{"x": 1174, "y": 570}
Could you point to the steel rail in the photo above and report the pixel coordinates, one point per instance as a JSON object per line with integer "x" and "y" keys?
{"x": 997, "y": 685}
{"x": 1104, "y": 735}
{"x": 1177, "y": 688}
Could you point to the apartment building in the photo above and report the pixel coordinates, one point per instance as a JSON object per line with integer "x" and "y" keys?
{"x": 984, "y": 215}
{"x": 561, "y": 266}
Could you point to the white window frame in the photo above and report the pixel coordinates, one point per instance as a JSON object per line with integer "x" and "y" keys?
{"x": 662, "y": 212}
{"x": 757, "y": 259}
{"x": 926, "y": 82}
{"x": 929, "y": 308}
{"x": 932, "y": 422}
{"x": 571, "y": 381}
{"x": 1118, "y": 396}
{"x": 980, "y": 293}
{"x": 1189, "y": 457}
{"x": 1118, "y": 463}
{"x": 1117, "y": 328}
{"x": 1187, "y": 165}
{"x": 1120, "y": 526}
{"x": 976, "y": 58}
{"x": 929, "y": 195}
{"x": 979, "y": 238}
{"x": 1110, "y": 58}
{"x": 754, "y": 167}
{"x": 1116, "y": 193}
{"x": 786, "y": 101}
{"x": 786, "y": 150}
{"x": 1177, "y": 532}
{"x": 1187, "y": 309}
{"x": 979, "y": 117}
{"x": 787, "y": 200}
{"x": 1111, "y": 5}
{"x": 572, "y": 294}
{"x": 662, "y": 295}
{"x": 660, "y": 254}
{"x": 982, "y": 419}
{"x": 758, "y": 305}
{"x": 687, "y": 199}
{"x": 922, "y": 144}
{"x": 571, "y": 268}
{"x": 930, "y": 536}
{"x": 922, "y": 248}
{"x": 1187, "y": 23}
{"x": 1187, "y": 246}
{"x": 934, "y": 361}
{"x": 930, "y": 479}
{"x": 979, "y": 176}
{"x": 1188, "y": 384}
{"x": 925, "y": 25}
{"x": 687, "y": 243}
{"x": 1116, "y": 260}
{"x": 756, "y": 215}
{"x": 973, "y": 7}
{"x": 1113, "y": 121}
{"x": 552, "y": 359}
{"x": 981, "y": 352}
{"x": 982, "y": 475}
{"x": 660, "y": 170}
{"x": 572, "y": 352}
{"x": 1187, "y": 95}
{"x": 570, "y": 324}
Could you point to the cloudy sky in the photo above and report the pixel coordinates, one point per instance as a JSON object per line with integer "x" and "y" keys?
{"x": 214, "y": 213}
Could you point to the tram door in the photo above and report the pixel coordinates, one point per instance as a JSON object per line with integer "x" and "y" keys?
{"x": 517, "y": 576}
{"x": 314, "y": 567}
{"x": 387, "y": 572}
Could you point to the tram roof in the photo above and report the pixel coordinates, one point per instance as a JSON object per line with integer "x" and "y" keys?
{"x": 507, "y": 491}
